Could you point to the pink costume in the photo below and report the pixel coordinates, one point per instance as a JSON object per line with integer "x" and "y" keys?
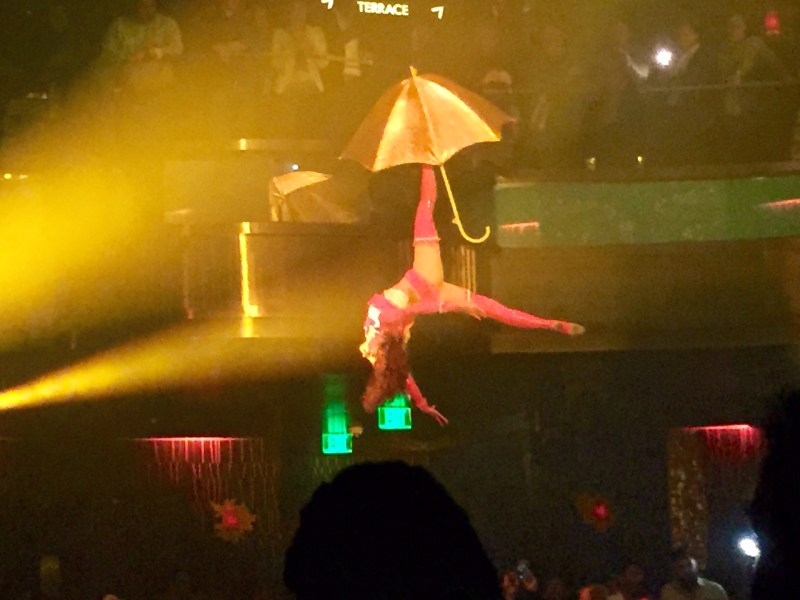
{"x": 392, "y": 311}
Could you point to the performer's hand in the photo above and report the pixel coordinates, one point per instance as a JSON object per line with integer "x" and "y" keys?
{"x": 431, "y": 410}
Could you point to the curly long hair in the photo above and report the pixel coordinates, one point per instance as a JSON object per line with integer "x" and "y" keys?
{"x": 389, "y": 373}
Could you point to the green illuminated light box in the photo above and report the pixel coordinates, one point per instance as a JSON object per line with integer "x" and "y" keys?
{"x": 336, "y": 439}
{"x": 395, "y": 414}
{"x": 337, "y": 443}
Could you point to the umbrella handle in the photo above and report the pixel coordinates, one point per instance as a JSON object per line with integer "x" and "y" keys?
{"x": 457, "y": 218}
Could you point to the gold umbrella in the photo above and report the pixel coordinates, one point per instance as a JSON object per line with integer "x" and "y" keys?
{"x": 425, "y": 119}
{"x": 294, "y": 180}
{"x": 312, "y": 197}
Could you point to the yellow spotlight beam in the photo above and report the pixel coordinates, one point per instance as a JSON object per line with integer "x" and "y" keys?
{"x": 183, "y": 356}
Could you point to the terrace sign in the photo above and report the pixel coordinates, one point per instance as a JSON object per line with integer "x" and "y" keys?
{"x": 379, "y": 8}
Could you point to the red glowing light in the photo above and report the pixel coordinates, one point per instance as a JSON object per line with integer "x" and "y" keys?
{"x": 230, "y": 520}
{"x": 716, "y": 428}
{"x": 521, "y": 227}
{"x": 199, "y": 440}
{"x": 789, "y": 204}
{"x": 600, "y": 511}
{"x": 772, "y": 23}
{"x": 735, "y": 442}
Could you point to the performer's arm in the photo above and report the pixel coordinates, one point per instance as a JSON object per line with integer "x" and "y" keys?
{"x": 421, "y": 403}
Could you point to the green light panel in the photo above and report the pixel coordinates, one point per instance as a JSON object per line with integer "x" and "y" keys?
{"x": 337, "y": 443}
{"x": 336, "y": 439}
{"x": 395, "y": 414}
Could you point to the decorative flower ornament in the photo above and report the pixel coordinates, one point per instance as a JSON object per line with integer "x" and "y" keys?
{"x": 234, "y": 520}
{"x": 595, "y": 511}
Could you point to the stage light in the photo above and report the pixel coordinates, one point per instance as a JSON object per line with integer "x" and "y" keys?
{"x": 772, "y": 23}
{"x": 395, "y": 414}
{"x": 748, "y": 545}
{"x": 663, "y": 57}
{"x": 336, "y": 438}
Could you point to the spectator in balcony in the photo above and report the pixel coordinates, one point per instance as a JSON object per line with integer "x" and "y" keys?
{"x": 748, "y": 112}
{"x": 555, "y": 92}
{"x": 614, "y": 108}
{"x": 137, "y": 48}
{"x": 487, "y": 71}
{"x": 348, "y": 79}
{"x": 299, "y": 54}
{"x": 691, "y": 113}
{"x": 225, "y": 43}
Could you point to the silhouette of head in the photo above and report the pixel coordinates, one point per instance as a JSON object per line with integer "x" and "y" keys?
{"x": 386, "y": 531}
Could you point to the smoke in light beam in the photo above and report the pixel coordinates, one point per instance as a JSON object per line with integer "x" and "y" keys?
{"x": 187, "y": 355}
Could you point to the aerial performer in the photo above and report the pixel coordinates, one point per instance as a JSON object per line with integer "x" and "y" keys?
{"x": 422, "y": 290}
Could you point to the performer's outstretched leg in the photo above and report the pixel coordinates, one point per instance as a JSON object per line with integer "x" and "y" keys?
{"x": 492, "y": 309}
{"x": 427, "y": 256}
{"x": 523, "y": 320}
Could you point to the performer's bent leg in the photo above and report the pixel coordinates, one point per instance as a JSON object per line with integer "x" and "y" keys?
{"x": 427, "y": 256}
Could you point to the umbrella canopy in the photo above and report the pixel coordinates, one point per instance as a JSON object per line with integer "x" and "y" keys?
{"x": 294, "y": 180}
{"x": 312, "y": 197}
{"x": 423, "y": 119}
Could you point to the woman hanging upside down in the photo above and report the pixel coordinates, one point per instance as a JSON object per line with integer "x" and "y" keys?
{"x": 422, "y": 290}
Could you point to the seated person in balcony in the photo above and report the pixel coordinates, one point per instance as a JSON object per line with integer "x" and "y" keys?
{"x": 225, "y": 45}
{"x": 137, "y": 47}
{"x": 422, "y": 290}
{"x": 691, "y": 114}
{"x": 556, "y": 87}
{"x": 749, "y": 114}
{"x": 613, "y": 120}
{"x": 299, "y": 54}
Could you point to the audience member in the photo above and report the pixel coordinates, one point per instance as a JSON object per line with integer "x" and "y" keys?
{"x": 629, "y": 584}
{"x": 347, "y": 81}
{"x": 554, "y": 589}
{"x": 386, "y": 530}
{"x": 595, "y": 591}
{"x": 614, "y": 109}
{"x": 691, "y": 111}
{"x": 137, "y": 46}
{"x": 519, "y": 583}
{"x": 555, "y": 92}
{"x": 226, "y": 42}
{"x": 746, "y": 111}
{"x": 299, "y": 54}
{"x": 773, "y": 511}
{"x": 686, "y": 583}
